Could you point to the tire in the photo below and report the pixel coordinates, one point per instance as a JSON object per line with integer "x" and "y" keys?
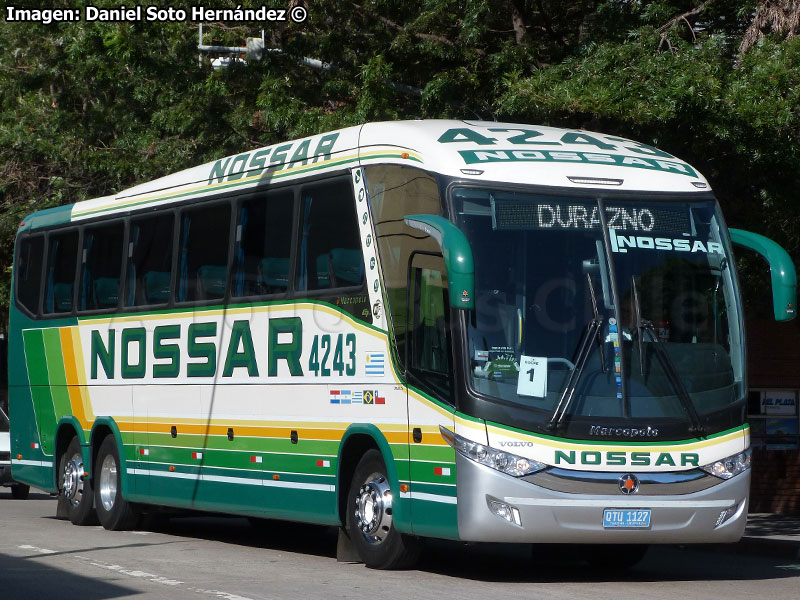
{"x": 369, "y": 518}
{"x": 20, "y": 491}
{"x": 613, "y": 557}
{"x": 115, "y": 513}
{"x": 75, "y": 495}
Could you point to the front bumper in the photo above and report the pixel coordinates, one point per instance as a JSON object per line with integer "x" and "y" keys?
{"x": 549, "y": 516}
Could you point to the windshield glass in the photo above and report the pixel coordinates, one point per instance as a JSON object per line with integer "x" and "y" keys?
{"x": 556, "y": 313}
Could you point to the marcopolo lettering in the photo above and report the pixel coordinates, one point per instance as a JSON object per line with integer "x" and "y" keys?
{"x": 192, "y": 351}
{"x": 629, "y": 432}
{"x": 274, "y": 158}
{"x": 627, "y": 459}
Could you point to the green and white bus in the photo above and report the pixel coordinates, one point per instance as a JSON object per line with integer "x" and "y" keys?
{"x": 462, "y": 330}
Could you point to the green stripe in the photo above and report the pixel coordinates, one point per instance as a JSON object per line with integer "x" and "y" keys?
{"x": 253, "y": 179}
{"x": 432, "y": 488}
{"x": 424, "y": 473}
{"x": 201, "y": 309}
{"x": 55, "y": 369}
{"x": 35, "y": 358}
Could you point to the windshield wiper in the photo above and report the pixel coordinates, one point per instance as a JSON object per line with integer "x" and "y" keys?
{"x": 591, "y": 334}
{"x": 644, "y": 325}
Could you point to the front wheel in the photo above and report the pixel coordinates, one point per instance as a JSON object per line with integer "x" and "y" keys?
{"x": 75, "y": 496}
{"x": 369, "y": 518}
{"x": 115, "y": 513}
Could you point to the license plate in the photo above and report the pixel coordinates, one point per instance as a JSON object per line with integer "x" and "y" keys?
{"x": 626, "y": 518}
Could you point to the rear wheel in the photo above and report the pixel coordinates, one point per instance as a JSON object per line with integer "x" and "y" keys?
{"x": 20, "y": 491}
{"x": 113, "y": 510}
{"x": 75, "y": 497}
{"x": 369, "y": 518}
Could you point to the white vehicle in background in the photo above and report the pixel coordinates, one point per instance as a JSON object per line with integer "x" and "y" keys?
{"x": 18, "y": 490}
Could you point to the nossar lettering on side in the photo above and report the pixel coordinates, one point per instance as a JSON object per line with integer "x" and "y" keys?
{"x": 193, "y": 350}
{"x": 251, "y": 164}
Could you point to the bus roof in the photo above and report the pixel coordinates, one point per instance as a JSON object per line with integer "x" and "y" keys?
{"x": 472, "y": 150}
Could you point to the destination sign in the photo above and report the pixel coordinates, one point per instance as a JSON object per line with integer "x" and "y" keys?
{"x": 553, "y": 214}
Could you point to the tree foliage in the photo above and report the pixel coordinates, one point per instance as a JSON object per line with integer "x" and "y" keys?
{"x": 88, "y": 109}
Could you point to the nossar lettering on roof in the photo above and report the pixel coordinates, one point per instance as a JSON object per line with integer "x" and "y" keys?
{"x": 516, "y": 153}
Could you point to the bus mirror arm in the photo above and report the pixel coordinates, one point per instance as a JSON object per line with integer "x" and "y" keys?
{"x": 782, "y": 271}
{"x": 457, "y": 255}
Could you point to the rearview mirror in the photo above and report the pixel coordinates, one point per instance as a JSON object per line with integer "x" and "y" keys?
{"x": 457, "y": 255}
{"x": 782, "y": 272}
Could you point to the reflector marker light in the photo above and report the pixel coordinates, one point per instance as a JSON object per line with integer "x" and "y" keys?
{"x": 144, "y": 451}
{"x": 441, "y": 471}
{"x": 256, "y": 459}
{"x": 197, "y": 455}
{"x": 323, "y": 463}
{"x": 595, "y": 180}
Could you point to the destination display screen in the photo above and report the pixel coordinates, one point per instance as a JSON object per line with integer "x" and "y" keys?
{"x": 549, "y": 213}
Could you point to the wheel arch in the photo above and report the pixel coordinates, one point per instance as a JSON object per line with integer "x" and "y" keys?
{"x": 356, "y": 441}
{"x": 67, "y": 428}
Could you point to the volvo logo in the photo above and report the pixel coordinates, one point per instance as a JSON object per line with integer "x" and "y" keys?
{"x": 628, "y": 484}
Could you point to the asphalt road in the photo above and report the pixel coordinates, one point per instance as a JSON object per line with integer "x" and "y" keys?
{"x": 195, "y": 557}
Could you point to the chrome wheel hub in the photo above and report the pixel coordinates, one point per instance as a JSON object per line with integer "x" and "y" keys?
{"x": 73, "y": 480}
{"x": 108, "y": 482}
{"x": 374, "y": 508}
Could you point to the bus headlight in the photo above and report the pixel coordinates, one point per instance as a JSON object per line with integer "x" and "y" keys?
{"x": 730, "y": 466}
{"x": 505, "y": 462}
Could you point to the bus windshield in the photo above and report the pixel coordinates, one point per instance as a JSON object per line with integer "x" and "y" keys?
{"x": 640, "y": 323}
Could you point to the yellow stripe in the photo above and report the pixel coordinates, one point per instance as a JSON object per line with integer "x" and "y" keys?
{"x": 205, "y": 188}
{"x": 386, "y": 149}
{"x": 305, "y": 431}
{"x": 566, "y": 445}
{"x": 244, "y": 310}
{"x": 73, "y": 368}
{"x": 210, "y": 187}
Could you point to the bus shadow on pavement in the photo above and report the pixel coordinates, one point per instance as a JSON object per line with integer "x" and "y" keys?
{"x": 26, "y": 577}
{"x": 5, "y": 494}
{"x": 553, "y": 564}
{"x": 302, "y": 538}
{"x": 489, "y": 562}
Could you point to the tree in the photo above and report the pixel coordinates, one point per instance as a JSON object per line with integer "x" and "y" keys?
{"x": 89, "y": 109}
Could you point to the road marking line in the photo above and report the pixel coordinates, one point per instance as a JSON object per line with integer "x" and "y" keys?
{"x": 130, "y": 572}
{"x": 219, "y": 594}
{"x": 36, "y": 549}
{"x": 158, "y": 579}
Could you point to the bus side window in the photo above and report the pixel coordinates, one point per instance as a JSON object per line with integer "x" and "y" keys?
{"x": 203, "y": 258}
{"x": 62, "y": 257}
{"x": 330, "y": 248}
{"x": 28, "y": 272}
{"x": 101, "y": 266}
{"x": 150, "y": 248}
{"x": 429, "y": 356}
{"x": 263, "y": 245}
